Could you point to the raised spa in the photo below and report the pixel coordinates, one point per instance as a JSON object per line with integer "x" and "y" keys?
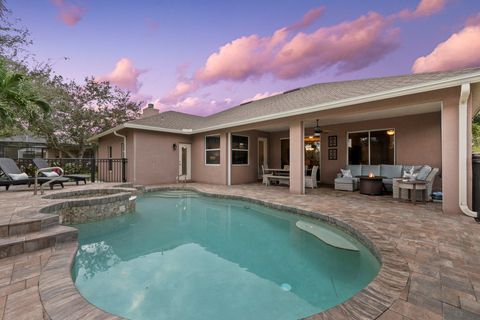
{"x": 186, "y": 256}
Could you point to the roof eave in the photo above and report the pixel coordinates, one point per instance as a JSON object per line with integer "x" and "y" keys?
{"x": 419, "y": 88}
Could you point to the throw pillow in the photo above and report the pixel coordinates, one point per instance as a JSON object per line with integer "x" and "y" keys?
{"x": 18, "y": 176}
{"x": 50, "y": 174}
{"x": 346, "y": 173}
{"x": 423, "y": 173}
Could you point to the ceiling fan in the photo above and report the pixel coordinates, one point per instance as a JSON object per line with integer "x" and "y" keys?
{"x": 319, "y": 131}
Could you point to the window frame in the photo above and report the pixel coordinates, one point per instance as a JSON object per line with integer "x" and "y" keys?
{"x": 216, "y": 149}
{"x": 241, "y": 150}
{"x": 369, "y": 150}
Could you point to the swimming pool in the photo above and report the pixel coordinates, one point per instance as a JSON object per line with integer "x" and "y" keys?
{"x": 187, "y": 256}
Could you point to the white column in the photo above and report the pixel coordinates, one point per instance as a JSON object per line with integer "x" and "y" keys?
{"x": 297, "y": 157}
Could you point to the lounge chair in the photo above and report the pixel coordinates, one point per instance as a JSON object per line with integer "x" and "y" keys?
{"x": 14, "y": 176}
{"x": 41, "y": 163}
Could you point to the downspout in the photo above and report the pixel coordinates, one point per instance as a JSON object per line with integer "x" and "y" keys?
{"x": 463, "y": 150}
{"x": 124, "y": 153}
{"x": 229, "y": 158}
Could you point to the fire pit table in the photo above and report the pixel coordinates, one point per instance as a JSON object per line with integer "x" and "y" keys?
{"x": 371, "y": 185}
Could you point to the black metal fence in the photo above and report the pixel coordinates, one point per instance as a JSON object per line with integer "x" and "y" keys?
{"x": 104, "y": 170}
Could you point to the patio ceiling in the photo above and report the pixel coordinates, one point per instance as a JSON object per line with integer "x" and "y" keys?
{"x": 329, "y": 120}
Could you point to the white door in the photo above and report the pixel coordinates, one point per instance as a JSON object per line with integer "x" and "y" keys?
{"x": 262, "y": 155}
{"x": 185, "y": 161}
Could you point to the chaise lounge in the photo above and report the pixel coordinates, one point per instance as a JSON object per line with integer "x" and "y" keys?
{"x": 14, "y": 176}
{"x": 41, "y": 163}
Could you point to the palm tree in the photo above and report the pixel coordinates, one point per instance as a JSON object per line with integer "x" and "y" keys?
{"x": 18, "y": 100}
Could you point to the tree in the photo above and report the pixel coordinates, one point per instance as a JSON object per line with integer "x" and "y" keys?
{"x": 476, "y": 133}
{"x": 13, "y": 39}
{"x": 19, "y": 103}
{"x": 80, "y": 111}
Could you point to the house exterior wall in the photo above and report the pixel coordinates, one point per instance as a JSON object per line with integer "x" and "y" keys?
{"x": 249, "y": 173}
{"x": 201, "y": 172}
{"x": 103, "y": 174}
{"x": 429, "y": 138}
{"x": 151, "y": 158}
{"x": 156, "y": 162}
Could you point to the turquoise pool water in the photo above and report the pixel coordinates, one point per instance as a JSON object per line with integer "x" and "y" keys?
{"x": 186, "y": 256}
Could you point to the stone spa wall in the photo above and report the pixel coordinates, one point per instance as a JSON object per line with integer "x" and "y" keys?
{"x": 91, "y": 205}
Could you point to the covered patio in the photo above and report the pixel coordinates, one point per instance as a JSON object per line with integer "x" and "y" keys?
{"x": 411, "y": 130}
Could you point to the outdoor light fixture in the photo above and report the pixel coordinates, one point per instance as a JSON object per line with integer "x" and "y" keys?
{"x": 390, "y": 132}
{"x": 318, "y": 130}
{"x": 174, "y": 146}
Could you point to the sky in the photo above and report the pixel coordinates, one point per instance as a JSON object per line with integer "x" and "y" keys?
{"x": 202, "y": 57}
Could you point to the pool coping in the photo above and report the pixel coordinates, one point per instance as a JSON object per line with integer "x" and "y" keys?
{"x": 61, "y": 299}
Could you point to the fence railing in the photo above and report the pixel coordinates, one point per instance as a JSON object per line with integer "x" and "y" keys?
{"x": 105, "y": 170}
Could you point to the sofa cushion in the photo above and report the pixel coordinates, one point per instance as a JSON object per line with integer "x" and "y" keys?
{"x": 366, "y": 169}
{"x": 388, "y": 183}
{"x": 356, "y": 169}
{"x": 390, "y": 171}
{"x": 423, "y": 173}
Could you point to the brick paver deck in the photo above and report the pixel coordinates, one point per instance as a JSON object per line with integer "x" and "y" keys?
{"x": 442, "y": 252}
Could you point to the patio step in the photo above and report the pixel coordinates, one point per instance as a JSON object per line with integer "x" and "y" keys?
{"x": 46, "y": 237}
{"x": 19, "y": 225}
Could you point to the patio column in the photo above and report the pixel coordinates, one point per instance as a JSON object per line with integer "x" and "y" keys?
{"x": 297, "y": 158}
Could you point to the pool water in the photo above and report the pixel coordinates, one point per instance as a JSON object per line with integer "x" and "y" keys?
{"x": 186, "y": 256}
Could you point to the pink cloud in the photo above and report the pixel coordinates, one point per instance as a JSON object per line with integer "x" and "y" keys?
{"x": 349, "y": 46}
{"x": 191, "y": 105}
{"x": 309, "y": 18}
{"x": 69, "y": 13}
{"x": 459, "y": 51}
{"x": 152, "y": 25}
{"x": 424, "y": 9}
{"x": 261, "y": 95}
{"x": 124, "y": 75}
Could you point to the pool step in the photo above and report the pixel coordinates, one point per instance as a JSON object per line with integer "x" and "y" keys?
{"x": 47, "y": 237}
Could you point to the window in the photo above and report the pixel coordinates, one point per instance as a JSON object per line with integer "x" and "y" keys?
{"x": 284, "y": 152}
{"x": 110, "y": 154}
{"x": 239, "y": 150}
{"x": 371, "y": 147}
{"x": 212, "y": 149}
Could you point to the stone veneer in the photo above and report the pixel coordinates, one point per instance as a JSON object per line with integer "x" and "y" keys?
{"x": 91, "y": 205}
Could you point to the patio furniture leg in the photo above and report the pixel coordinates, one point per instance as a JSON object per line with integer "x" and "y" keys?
{"x": 414, "y": 196}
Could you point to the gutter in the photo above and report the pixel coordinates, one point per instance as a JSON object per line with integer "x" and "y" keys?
{"x": 463, "y": 120}
{"x": 124, "y": 153}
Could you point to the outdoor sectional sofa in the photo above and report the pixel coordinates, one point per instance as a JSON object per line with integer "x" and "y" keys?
{"x": 389, "y": 172}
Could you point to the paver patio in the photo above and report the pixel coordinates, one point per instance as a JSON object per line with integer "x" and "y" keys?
{"x": 442, "y": 252}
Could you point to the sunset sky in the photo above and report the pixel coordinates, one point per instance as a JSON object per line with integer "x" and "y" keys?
{"x": 201, "y": 57}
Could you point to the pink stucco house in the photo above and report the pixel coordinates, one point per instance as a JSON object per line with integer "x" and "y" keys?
{"x": 414, "y": 119}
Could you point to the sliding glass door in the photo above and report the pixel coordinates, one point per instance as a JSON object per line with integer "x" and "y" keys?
{"x": 371, "y": 147}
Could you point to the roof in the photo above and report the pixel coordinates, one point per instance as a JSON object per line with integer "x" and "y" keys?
{"x": 23, "y": 139}
{"x": 308, "y": 99}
